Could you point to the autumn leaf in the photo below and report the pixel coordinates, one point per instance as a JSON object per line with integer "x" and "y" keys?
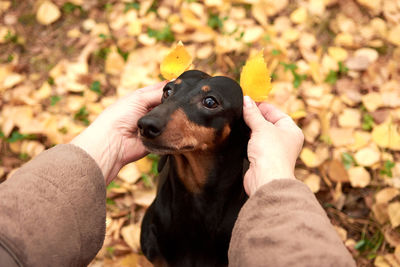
{"x": 255, "y": 78}
{"x": 176, "y": 62}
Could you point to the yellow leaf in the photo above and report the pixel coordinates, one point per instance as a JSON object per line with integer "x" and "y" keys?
{"x": 310, "y": 158}
{"x": 255, "y": 79}
{"x": 144, "y": 165}
{"x": 338, "y": 53}
{"x": 387, "y": 136}
{"x": 176, "y": 62}
{"x": 313, "y": 182}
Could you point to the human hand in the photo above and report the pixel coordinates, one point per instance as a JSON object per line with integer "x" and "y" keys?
{"x": 274, "y": 145}
{"x": 112, "y": 139}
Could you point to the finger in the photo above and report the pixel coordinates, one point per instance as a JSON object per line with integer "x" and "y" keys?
{"x": 275, "y": 115}
{"x": 150, "y": 96}
{"x": 251, "y": 114}
{"x": 153, "y": 87}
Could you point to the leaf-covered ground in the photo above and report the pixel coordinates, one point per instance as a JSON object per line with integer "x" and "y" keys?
{"x": 335, "y": 70}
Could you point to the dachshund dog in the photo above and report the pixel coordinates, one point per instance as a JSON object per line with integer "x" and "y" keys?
{"x": 200, "y": 132}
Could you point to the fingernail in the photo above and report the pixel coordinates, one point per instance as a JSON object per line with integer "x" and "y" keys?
{"x": 247, "y": 101}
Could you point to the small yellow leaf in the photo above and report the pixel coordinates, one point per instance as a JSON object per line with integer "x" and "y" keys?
{"x": 386, "y": 135}
{"x": 255, "y": 79}
{"x": 176, "y": 62}
{"x": 144, "y": 165}
{"x": 338, "y": 53}
{"x": 310, "y": 158}
{"x": 313, "y": 182}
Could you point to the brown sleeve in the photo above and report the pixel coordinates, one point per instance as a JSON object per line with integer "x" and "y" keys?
{"x": 52, "y": 210}
{"x": 283, "y": 224}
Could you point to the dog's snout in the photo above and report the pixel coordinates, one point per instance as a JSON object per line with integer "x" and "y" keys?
{"x": 150, "y": 127}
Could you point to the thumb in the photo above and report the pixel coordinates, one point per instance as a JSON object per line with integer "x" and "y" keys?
{"x": 251, "y": 114}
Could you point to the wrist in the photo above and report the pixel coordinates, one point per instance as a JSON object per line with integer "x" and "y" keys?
{"x": 103, "y": 146}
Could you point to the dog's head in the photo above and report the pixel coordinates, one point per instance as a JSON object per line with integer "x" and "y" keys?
{"x": 198, "y": 112}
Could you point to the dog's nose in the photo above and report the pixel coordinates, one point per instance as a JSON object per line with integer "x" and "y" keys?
{"x": 150, "y": 127}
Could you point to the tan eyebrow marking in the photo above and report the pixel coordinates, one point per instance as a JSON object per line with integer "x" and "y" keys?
{"x": 178, "y": 81}
{"x": 205, "y": 88}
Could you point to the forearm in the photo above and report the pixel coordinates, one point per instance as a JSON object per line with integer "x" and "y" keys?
{"x": 282, "y": 224}
{"x": 52, "y": 210}
{"x": 102, "y": 143}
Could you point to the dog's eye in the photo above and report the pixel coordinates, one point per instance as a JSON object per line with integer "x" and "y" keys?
{"x": 167, "y": 93}
{"x": 210, "y": 102}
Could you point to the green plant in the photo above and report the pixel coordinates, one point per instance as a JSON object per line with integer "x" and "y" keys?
{"x": 96, "y": 87}
{"x": 215, "y": 22}
{"x": 367, "y": 122}
{"x": 333, "y": 76}
{"x": 82, "y": 115}
{"x": 164, "y": 34}
{"x": 348, "y": 160}
{"x": 54, "y": 99}
{"x": 387, "y": 168}
{"x": 297, "y": 78}
{"x": 132, "y": 5}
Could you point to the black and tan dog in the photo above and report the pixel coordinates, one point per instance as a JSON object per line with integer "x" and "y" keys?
{"x": 201, "y": 134}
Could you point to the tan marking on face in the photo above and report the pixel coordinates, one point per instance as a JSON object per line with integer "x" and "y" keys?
{"x": 205, "y": 88}
{"x": 178, "y": 81}
{"x": 160, "y": 262}
{"x": 192, "y": 169}
{"x": 225, "y": 132}
{"x": 181, "y": 132}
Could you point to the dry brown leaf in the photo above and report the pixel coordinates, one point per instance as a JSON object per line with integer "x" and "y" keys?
{"x": 386, "y": 194}
{"x": 391, "y": 236}
{"x": 372, "y": 101}
{"x": 394, "y": 35}
{"x": 380, "y": 212}
{"x": 312, "y": 130}
{"x": 341, "y": 136}
{"x": 337, "y": 172}
{"x": 114, "y": 62}
{"x": 397, "y": 252}
{"x": 359, "y": 177}
{"x": 394, "y": 213}
{"x": 131, "y": 235}
{"x": 350, "y": 117}
{"x": 391, "y": 259}
{"x": 47, "y": 13}
{"x": 367, "y": 156}
{"x": 381, "y": 262}
{"x": 313, "y": 182}
{"x": 130, "y": 173}
{"x": 144, "y": 197}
